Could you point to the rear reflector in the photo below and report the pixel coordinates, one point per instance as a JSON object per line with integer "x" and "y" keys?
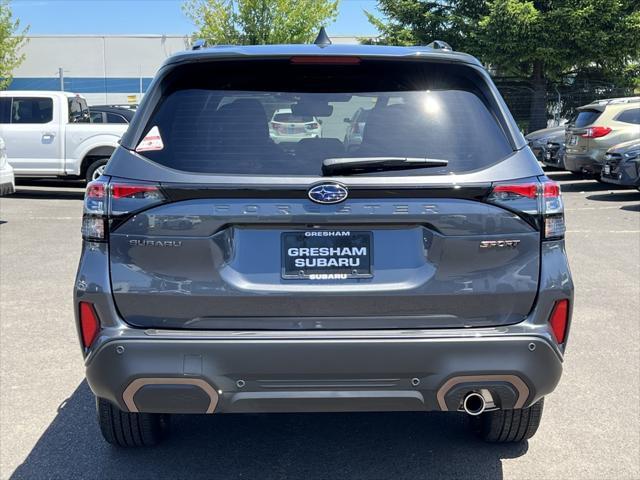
{"x": 325, "y": 60}
{"x": 558, "y": 320}
{"x": 596, "y": 132}
{"x": 89, "y": 324}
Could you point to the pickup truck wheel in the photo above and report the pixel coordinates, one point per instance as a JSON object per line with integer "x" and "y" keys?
{"x": 96, "y": 168}
{"x": 125, "y": 429}
{"x": 505, "y": 426}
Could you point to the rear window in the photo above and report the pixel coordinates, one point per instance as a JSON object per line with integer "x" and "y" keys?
{"x": 291, "y": 118}
{"x": 629, "y": 116}
{"x": 222, "y": 120}
{"x": 29, "y": 110}
{"x": 586, "y": 117}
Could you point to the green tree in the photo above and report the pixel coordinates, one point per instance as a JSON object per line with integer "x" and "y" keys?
{"x": 259, "y": 22}
{"x": 11, "y": 39}
{"x": 547, "y": 42}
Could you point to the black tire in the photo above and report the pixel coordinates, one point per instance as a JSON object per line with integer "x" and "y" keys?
{"x": 93, "y": 166}
{"x": 507, "y": 426}
{"x": 125, "y": 429}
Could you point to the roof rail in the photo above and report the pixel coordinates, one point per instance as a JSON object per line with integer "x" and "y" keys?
{"x": 199, "y": 44}
{"x": 611, "y": 101}
{"x": 440, "y": 45}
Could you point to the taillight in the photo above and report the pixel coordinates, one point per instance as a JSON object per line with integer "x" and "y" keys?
{"x": 596, "y": 132}
{"x": 312, "y": 126}
{"x": 104, "y": 202}
{"x": 89, "y": 324}
{"x": 559, "y": 319}
{"x": 533, "y": 200}
{"x": 94, "y": 215}
{"x": 552, "y": 210}
{"x": 505, "y": 192}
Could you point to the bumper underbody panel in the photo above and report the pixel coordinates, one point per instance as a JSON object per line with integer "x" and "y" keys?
{"x": 165, "y": 373}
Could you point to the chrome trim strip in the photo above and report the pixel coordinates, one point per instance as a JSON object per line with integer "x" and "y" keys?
{"x": 138, "y": 383}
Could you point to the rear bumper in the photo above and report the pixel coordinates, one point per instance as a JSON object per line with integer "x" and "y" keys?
{"x": 7, "y": 181}
{"x": 172, "y": 372}
{"x": 582, "y": 164}
{"x": 321, "y": 370}
{"x": 626, "y": 174}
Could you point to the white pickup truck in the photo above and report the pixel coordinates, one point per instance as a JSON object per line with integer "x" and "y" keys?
{"x": 49, "y": 134}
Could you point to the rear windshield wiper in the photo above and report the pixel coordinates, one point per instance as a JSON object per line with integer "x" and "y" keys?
{"x": 347, "y": 165}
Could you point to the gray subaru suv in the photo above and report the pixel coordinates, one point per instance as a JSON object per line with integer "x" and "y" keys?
{"x": 423, "y": 270}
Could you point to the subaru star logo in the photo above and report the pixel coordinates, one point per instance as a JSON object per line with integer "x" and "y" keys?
{"x": 328, "y": 193}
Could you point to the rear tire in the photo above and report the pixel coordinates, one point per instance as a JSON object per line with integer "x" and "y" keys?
{"x": 507, "y": 426}
{"x": 95, "y": 169}
{"x": 125, "y": 429}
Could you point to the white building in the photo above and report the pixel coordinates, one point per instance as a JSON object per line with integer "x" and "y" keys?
{"x": 106, "y": 69}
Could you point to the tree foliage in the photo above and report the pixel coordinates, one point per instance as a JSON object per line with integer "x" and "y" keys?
{"x": 259, "y": 22}
{"x": 548, "y": 42}
{"x": 11, "y": 39}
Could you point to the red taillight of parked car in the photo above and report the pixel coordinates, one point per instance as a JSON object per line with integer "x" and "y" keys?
{"x": 559, "y": 319}
{"x": 89, "y": 324}
{"x": 596, "y": 132}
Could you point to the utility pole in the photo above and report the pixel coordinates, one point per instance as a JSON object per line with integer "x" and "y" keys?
{"x": 61, "y": 75}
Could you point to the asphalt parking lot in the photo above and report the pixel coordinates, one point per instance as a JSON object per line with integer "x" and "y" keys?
{"x": 590, "y": 429}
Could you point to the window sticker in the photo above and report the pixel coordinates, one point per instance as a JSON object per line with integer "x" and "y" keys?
{"x": 152, "y": 141}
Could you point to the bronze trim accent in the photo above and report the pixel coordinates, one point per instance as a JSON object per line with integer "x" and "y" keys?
{"x": 517, "y": 382}
{"x": 138, "y": 383}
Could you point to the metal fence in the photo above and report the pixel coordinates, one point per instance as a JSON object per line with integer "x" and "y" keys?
{"x": 561, "y": 101}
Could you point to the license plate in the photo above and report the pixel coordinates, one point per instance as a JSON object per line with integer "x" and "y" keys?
{"x": 326, "y": 255}
{"x": 607, "y": 169}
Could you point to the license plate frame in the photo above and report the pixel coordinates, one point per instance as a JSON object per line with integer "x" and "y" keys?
{"x": 338, "y": 240}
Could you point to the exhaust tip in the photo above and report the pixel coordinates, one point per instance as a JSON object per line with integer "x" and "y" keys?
{"x": 474, "y": 404}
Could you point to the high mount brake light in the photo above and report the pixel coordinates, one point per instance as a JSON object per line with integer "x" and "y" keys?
{"x": 596, "y": 132}
{"x": 325, "y": 60}
{"x": 103, "y": 202}
{"x": 534, "y": 199}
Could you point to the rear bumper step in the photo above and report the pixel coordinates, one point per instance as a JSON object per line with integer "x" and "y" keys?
{"x": 201, "y": 375}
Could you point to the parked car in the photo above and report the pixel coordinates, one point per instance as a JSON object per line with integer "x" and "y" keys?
{"x": 554, "y": 154}
{"x": 111, "y": 114}
{"x": 539, "y": 139}
{"x": 622, "y": 164}
{"x": 424, "y": 271}
{"x": 599, "y": 126}
{"x": 355, "y": 128}
{"x": 7, "y": 181}
{"x": 49, "y": 134}
{"x": 285, "y": 126}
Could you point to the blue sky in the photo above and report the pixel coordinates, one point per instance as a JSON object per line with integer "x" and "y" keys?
{"x": 148, "y": 16}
